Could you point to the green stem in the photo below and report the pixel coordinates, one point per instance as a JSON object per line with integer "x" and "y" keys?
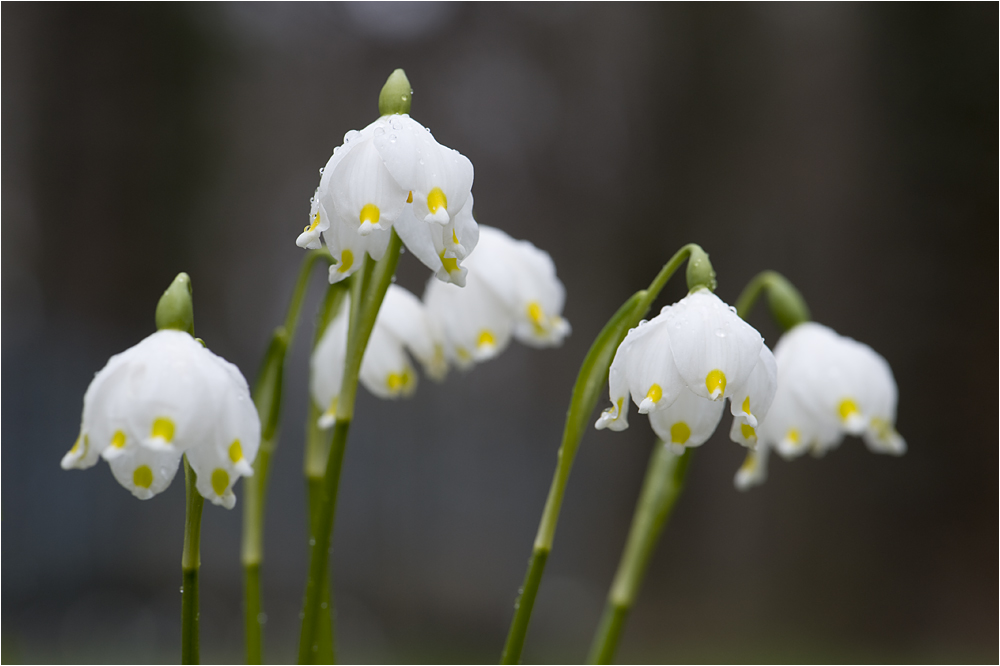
{"x": 590, "y": 383}
{"x": 786, "y": 303}
{"x": 366, "y": 299}
{"x": 267, "y": 399}
{"x": 663, "y": 483}
{"x": 190, "y": 563}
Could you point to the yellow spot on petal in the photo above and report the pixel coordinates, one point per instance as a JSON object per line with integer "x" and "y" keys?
{"x": 450, "y": 263}
{"x": 370, "y": 213}
{"x": 396, "y": 381}
{"x": 142, "y": 476}
{"x": 749, "y": 464}
{"x": 793, "y": 436}
{"x": 409, "y": 197}
{"x": 346, "y": 261}
{"x": 619, "y": 405}
{"x": 748, "y": 431}
{"x": 315, "y": 223}
{"x": 655, "y": 393}
{"x": 746, "y": 405}
{"x": 463, "y": 354}
{"x": 715, "y": 382}
{"x": 454, "y": 237}
{"x": 436, "y": 199}
{"x": 220, "y": 481}
{"x": 235, "y": 451}
{"x": 332, "y": 409}
{"x": 680, "y": 432}
{"x": 882, "y": 428}
{"x": 164, "y": 429}
{"x": 847, "y": 408}
{"x": 485, "y": 339}
{"x": 76, "y": 445}
{"x": 118, "y": 439}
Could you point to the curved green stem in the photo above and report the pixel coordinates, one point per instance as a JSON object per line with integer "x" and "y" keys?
{"x": 366, "y": 299}
{"x": 663, "y": 483}
{"x": 267, "y": 399}
{"x": 590, "y": 382}
{"x": 787, "y": 305}
{"x": 190, "y": 563}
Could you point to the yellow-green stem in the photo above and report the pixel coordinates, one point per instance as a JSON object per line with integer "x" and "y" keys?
{"x": 190, "y": 563}
{"x": 663, "y": 483}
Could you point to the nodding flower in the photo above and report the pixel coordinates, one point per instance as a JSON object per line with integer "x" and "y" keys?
{"x": 166, "y": 397}
{"x": 393, "y": 173}
{"x": 680, "y": 366}
{"x": 829, "y": 386}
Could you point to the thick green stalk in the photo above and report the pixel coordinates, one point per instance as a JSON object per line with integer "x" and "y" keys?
{"x": 590, "y": 382}
{"x": 786, "y": 303}
{"x": 190, "y": 563}
{"x": 663, "y": 483}
{"x": 267, "y": 399}
{"x": 366, "y": 299}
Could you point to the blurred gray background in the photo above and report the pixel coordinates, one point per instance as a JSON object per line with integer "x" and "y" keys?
{"x": 853, "y": 148}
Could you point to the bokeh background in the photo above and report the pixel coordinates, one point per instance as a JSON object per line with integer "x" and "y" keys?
{"x": 853, "y": 148}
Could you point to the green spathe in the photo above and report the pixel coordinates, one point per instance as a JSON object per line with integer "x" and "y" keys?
{"x": 175, "y": 309}
{"x": 396, "y": 95}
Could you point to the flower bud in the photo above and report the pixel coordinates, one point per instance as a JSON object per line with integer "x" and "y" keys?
{"x": 699, "y": 270}
{"x": 787, "y": 305}
{"x": 396, "y": 95}
{"x": 175, "y": 309}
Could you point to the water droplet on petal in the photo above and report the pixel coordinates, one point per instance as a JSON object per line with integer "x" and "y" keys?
{"x": 379, "y": 131}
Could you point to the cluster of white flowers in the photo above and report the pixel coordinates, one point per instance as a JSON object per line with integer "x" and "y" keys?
{"x": 394, "y": 174}
{"x": 166, "y": 397}
{"x": 511, "y": 291}
{"x": 680, "y": 366}
{"x": 829, "y": 386}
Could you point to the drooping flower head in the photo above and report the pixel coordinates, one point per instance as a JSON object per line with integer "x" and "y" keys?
{"x": 829, "y": 386}
{"x": 511, "y": 290}
{"x": 680, "y": 366}
{"x": 401, "y": 326}
{"x": 393, "y": 173}
{"x": 163, "y": 398}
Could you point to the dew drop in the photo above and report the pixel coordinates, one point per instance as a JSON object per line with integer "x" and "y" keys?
{"x": 719, "y": 333}
{"x": 379, "y": 131}
{"x": 261, "y": 618}
{"x": 321, "y": 170}
{"x": 312, "y": 542}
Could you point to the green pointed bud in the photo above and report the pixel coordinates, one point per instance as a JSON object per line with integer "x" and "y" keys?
{"x": 396, "y": 94}
{"x": 175, "y": 309}
{"x": 787, "y": 305}
{"x": 699, "y": 270}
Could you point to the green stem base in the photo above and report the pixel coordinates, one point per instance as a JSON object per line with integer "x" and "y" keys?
{"x": 522, "y": 609}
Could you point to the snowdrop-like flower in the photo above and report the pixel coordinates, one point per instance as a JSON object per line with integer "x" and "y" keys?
{"x": 511, "y": 290}
{"x": 401, "y": 325}
{"x": 394, "y": 173}
{"x": 681, "y": 365}
{"x": 163, "y": 398}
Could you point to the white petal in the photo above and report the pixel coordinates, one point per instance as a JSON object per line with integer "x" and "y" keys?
{"x": 403, "y": 315}
{"x": 689, "y": 421}
{"x": 713, "y": 348}
{"x": 753, "y": 471}
{"x": 363, "y": 192}
{"x": 327, "y": 364}
{"x": 751, "y": 400}
{"x": 653, "y": 379}
{"x": 476, "y": 323}
{"x": 615, "y": 417}
{"x": 385, "y": 369}
{"x": 145, "y": 472}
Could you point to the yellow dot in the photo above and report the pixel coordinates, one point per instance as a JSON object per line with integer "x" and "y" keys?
{"x": 748, "y": 431}
{"x": 142, "y": 476}
{"x": 793, "y": 436}
{"x": 454, "y": 237}
{"x": 370, "y": 213}
{"x": 409, "y": 197}
{"x": 620, "y": 400}
{"x": 746, "y": 405}
{"x": 463, "y": 354}
{"x": 395, "y": 381}
{"x": 882, "y": 428}
{"x": 436, "y": 199}
{"x": 220, "y": 481}
{"x": 235, "y": 451}
{"x": 315, "y": 223}
{"x": 535, "y": 312}
{"x": 846, "y": 408}
{"x": 450, "y": 263}
{"x": 346, "y": 261}
{"x": 679, "y": 432}
{"x": 164, "y": 429}
{"x": 750, "y": 464}
{"x": 654, "y": 393}
{"x": 485, "y": 339}
{"x": 118, "y": 439}
{"x": 716, "y": 381}
{"x": 76, "y": 445}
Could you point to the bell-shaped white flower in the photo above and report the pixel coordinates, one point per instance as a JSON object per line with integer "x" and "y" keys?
{"x": 401, "y": 326}
{"x": 163, "y": 398}
{"x": 829, "y": 386}
{"x": 393, "y": 169}
{"x": 511, "y": 291}
{"x": 700, "y": 352}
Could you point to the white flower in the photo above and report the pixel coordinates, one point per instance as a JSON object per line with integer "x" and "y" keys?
{"x": 829, "y": 386}
{"x": 163, "y": 398}
{"x": 393, "y": 172}
{"x": 401, "y": 325}
{"x": 511, "y": 289}
{"x": 681, "y": 365}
